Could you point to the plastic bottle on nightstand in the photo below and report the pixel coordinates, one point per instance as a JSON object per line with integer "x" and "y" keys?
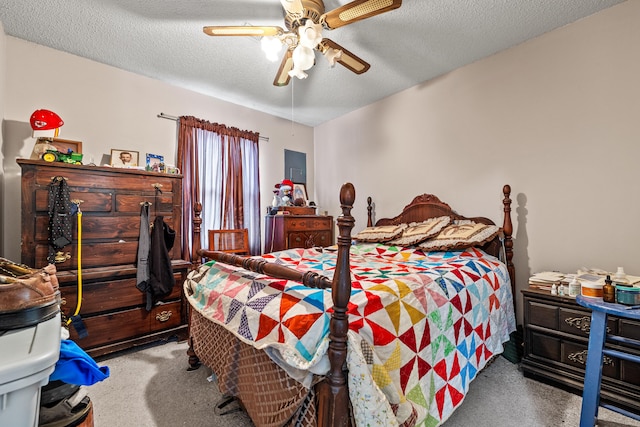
{"x": 574, "y": 287}
{"x": 561, "y": 289}
{"x": 554, "y": 289}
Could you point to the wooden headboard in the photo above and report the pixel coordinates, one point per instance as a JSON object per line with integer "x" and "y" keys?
{"x": 427, "y": 206}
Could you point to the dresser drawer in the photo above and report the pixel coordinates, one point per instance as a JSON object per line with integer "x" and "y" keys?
{"x": 165, "y": 316}
{"x": 112, "y": 295}
{"x": 86, "y": 179}
{"x": 302, "y": 223}
{"x": 309, "y": 239}
{"x": 127, "y": 324}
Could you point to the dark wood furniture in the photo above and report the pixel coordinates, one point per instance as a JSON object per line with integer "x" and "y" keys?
{"x": 556, "y": 335}
{"x": 332, "y": 395}
{"x": 297, "y": 231}
{"x": 110, "y": 200}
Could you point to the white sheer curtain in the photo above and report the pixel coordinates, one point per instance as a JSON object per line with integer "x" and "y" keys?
{"x": 214, "y": 193}
{"x": 220, "y": 169}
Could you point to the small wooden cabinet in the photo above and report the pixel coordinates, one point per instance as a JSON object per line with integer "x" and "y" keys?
{"x": 113, "y": 309}
{"x": 556, "y": 335}
{"x": 297, "y": 231}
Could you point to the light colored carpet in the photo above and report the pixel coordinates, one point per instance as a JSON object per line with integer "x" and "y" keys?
{"x": 152, "y": 387}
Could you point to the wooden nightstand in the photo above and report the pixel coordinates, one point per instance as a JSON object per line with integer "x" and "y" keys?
{"x": 556, "y": 335}
{"x": 297, "y": 231}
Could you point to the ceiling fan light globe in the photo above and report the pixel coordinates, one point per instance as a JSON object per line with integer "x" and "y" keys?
{"x": 311, "y": 34}
{"x": 303, "y": 57}
{"x": 333, "y": 55}
{"x": 271, "y": 46}
{"x": 298, "y": 73}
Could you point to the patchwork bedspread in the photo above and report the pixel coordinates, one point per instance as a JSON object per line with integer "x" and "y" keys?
{"x": 421, "y": 324}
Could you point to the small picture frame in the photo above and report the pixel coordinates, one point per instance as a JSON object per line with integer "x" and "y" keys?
{"x": 299, "y": 191}
{"x": 155, "y": 163}
{"x": 124, "y": 158}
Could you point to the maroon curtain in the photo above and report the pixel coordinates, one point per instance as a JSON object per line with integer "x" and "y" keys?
{"x": 232, "y": 196}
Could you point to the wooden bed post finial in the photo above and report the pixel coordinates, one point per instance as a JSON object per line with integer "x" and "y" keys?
{"x": 507, "y": 228}
{"x": 335, "y": 411}
{"x": 369, "y": 212}
{"x": 196, "y": 259}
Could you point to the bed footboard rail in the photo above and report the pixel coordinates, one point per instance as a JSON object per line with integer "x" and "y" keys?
{"x": 309, "y": 278}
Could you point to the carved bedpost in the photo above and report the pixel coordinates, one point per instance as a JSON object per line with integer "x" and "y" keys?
{"x": 507, "y": 228}
{"x": 334, "y": 400}
{"x": 369, "y": 212}
{"x": 196, "y": 260}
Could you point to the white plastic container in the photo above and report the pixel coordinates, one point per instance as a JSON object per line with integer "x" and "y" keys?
{"x": 27, "y": 358}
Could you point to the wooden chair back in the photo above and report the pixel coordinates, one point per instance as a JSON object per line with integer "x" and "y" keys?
{"x": 234, "y": 241}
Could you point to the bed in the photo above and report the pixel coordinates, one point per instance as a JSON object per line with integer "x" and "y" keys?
{"x": 364, "y": 333}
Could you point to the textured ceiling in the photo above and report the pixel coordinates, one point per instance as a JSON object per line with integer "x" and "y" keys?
{"x": 163, "y": 39}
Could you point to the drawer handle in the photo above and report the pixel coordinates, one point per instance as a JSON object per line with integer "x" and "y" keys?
{"x": 581, "y": 358}
{"x": 157, "y": 186}
{"x": 582, "y": 323}
{"x": 163, "y": 316}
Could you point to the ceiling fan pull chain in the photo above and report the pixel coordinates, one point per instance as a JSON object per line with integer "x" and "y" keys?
{"x": 293, "y": 85}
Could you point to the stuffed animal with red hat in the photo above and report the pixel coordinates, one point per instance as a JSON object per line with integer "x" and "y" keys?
{"x": 284, "y": 193}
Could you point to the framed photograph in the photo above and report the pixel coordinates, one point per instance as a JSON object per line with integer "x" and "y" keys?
{"x": 155, "y": 163}
{"x": 299, "y": 192}
{"x": 124, "y": 158}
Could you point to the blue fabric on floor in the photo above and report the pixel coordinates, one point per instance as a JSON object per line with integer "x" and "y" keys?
{"x": 76, "y": 367}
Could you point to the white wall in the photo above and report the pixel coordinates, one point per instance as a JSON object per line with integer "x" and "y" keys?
{"x": 3, "y": 221}
{"x": 556, "y": 118}
{"x": 107, "y": 108}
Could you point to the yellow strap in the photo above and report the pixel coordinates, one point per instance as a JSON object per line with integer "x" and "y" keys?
{"x": 79, "y": 299}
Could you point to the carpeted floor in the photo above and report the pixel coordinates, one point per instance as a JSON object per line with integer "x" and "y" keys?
{"x": 152, "y": 387}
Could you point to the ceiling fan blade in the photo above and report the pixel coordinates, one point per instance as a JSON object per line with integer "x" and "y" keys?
{"x": 242, "y": 30}
{"x": 357, "y": 10}
{"x": 283, "y": 77}
{"x": 347, "y": 59}
{"x": 293, "y": 6}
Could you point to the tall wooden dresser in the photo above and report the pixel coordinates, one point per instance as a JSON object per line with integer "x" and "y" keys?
{"x": 113, "y": 309}
{"x": 297, "y": 231}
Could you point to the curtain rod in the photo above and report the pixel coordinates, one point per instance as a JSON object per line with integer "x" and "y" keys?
{"x": 175, "y": 119}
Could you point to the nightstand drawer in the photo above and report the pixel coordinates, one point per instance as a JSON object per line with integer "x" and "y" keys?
{"x": 579, "y": 322}
{"x": 541, "y": 314}
{"x": 575, "y": 354}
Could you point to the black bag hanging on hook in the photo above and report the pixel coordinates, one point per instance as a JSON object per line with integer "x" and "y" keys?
{"x": 60, "y": 213}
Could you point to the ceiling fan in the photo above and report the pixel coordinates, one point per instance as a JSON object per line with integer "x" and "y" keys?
{"x": 305, "y": 20}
